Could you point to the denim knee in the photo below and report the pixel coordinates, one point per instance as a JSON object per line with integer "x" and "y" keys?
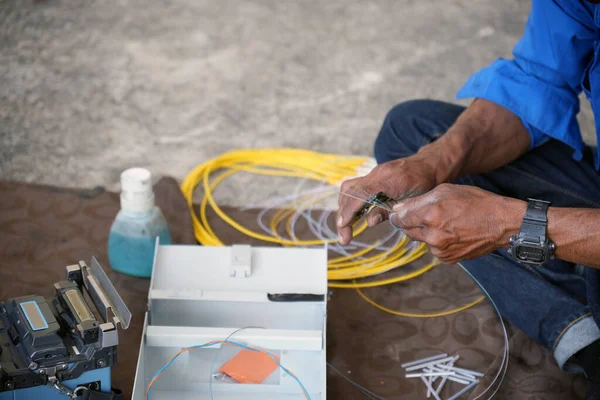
{"x": 406, "y": 128}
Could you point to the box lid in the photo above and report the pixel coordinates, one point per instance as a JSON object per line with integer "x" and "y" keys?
{"x": 237, "y": 272}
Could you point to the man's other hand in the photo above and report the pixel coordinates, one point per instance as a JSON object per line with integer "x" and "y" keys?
{"x": 460, "y": 222}
{"x": 398, "y": 179}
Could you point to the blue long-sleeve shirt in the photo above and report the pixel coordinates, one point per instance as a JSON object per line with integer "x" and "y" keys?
{"x": 556, "y": 59}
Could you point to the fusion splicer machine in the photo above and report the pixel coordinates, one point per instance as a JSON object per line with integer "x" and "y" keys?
{"x": 56, "y": 348}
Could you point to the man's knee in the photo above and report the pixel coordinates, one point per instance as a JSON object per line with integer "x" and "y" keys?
{"x": 402, "y": 132}
{"x": 412, "y": 125}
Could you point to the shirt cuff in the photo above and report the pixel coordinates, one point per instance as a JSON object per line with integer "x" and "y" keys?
{"x": 537, "y": 137}
{"x": 546, "y": 111}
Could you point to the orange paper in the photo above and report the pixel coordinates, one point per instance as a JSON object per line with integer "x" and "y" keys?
{"x": 250, "y": 367}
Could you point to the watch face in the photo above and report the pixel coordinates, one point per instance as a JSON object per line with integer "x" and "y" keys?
{"x": 531, "y": 254}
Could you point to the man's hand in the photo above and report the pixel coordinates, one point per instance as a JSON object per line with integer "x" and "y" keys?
{"x": 486, "y": 136}
{"x": 460, "y": 222}
{"x": 398, "y": 179}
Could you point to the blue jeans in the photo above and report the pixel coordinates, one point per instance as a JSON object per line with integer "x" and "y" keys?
{"x": 558, "y": 305}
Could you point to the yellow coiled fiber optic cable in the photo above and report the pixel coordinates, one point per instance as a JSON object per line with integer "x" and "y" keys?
{"x": 330, "y": 169}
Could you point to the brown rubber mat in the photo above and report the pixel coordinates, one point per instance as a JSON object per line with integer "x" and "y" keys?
{"x": 42, "y": 229}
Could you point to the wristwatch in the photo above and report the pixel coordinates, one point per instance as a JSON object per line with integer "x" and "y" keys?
{"x": 531, "y": 245}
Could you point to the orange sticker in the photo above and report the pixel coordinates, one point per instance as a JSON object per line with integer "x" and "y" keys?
{"x": 250, "y": 366}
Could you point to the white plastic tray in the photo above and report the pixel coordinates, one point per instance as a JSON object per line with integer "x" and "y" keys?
{"x": 200, "y": 294}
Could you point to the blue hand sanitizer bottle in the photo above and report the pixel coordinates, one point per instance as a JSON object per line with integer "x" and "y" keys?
{"x": 134, "y": 231}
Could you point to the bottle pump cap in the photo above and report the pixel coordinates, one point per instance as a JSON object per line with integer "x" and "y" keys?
{"x": 136, "y": 190}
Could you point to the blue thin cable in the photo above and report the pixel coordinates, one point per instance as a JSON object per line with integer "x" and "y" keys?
{"x": 201, "y": 346}
{"x": 212, "y": 366}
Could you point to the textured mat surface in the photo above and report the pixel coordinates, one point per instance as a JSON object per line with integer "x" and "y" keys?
{"x": 42, "y": 229}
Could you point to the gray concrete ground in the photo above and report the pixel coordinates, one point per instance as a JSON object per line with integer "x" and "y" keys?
{"x": 88, "y": 88}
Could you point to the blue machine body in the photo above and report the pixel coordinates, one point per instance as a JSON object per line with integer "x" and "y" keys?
{"x": 52, "y": 346}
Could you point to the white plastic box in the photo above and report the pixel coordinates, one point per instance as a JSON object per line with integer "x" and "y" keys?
{"x": 200, "y": 294}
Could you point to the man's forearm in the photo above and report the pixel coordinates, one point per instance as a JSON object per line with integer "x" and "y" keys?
{"x": 573, "y": 230}
{"x": 576, "y": 234}
{"x": 486, "y": 136}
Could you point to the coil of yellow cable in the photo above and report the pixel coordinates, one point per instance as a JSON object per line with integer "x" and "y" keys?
{"x": 354, "y": 270}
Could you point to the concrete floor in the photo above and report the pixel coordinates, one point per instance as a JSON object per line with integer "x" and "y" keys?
{"x": 90, "y": 88}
